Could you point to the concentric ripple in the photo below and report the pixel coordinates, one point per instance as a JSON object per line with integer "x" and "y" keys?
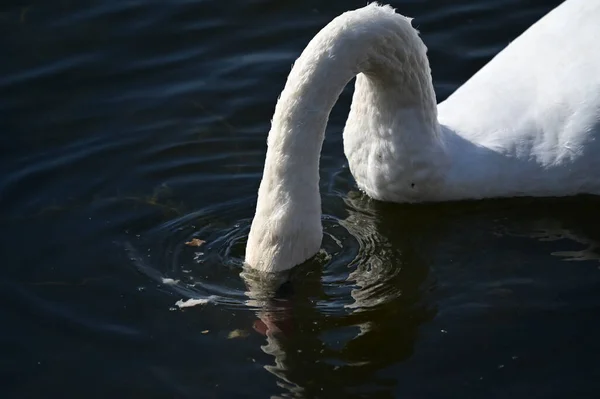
{"x": 355, "y": 268}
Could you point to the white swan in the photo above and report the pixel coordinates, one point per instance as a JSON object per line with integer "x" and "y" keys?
{"x": 526, "y": 124}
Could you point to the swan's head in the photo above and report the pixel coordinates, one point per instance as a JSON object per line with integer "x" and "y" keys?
{"x": 283, "y": 235}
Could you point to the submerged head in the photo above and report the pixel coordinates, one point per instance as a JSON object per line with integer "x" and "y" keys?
{"x": 283, "y": 233}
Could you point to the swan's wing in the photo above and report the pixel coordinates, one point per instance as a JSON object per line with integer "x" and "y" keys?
{"x": 541, "y": 91}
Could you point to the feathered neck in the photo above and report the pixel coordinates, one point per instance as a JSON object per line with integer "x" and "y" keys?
{"x": 392, "y": 125}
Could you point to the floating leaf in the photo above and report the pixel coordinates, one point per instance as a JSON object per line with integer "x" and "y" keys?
{"x": 195, "y": 242}
{"x": 237, "y": 334}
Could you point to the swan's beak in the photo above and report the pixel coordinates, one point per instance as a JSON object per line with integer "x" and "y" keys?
{"x": 275, "y": 323}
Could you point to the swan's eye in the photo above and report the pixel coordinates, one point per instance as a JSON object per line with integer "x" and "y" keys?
{"x": 412, "y": 185}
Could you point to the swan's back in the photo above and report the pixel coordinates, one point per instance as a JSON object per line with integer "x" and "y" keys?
{"x": 538, "y": 101}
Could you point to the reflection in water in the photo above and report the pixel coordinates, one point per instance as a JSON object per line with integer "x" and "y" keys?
{"x": 389, "y": 276}
{"x": 324, "y": 350}
{"x": 547, "y": 230}
{"x": 321, "y": 348}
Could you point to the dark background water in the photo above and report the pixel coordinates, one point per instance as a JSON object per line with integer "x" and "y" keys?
{"x": 130, "y": 127}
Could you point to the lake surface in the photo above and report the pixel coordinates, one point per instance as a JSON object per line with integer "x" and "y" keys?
{"x": 128, "y": 128}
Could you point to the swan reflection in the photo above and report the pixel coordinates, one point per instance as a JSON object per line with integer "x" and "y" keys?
{"x": 323, "y": 333}
{"x": 334, "y": 325}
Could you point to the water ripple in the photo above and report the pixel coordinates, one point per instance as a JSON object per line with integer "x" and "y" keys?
{"x": 356, "y": 267}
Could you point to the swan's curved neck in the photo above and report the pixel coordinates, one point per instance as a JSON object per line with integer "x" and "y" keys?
{"x": 396, "y": 95}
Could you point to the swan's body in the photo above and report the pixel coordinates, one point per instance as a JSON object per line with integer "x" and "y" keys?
{"x": 526, "y": 124}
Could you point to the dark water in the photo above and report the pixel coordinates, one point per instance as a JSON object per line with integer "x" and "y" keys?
{"x": 129, "y": 128}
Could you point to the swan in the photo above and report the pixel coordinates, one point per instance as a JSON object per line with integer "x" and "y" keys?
{"x": 526, "y": 124}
